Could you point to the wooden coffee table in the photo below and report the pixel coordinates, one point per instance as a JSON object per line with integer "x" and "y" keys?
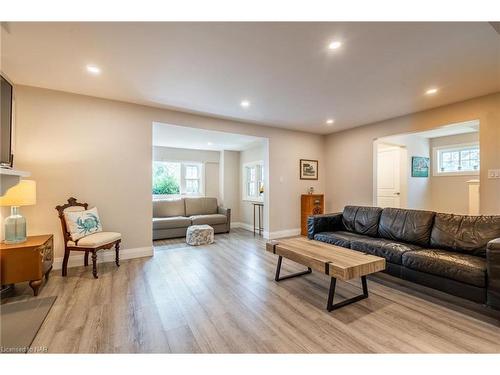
{"x": 334, "y": 261}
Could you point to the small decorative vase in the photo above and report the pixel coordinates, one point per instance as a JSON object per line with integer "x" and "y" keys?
{"x": 311, "y": 190}
{"x": 15, "y": 227}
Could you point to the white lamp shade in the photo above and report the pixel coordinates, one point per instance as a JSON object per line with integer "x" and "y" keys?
{"x": 22, "y": 194}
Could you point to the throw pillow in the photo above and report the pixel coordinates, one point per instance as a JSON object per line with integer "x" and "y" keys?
{"x": 82, "y": 223}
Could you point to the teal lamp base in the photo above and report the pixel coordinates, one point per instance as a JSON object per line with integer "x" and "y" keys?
{"x": 15, "y": 227}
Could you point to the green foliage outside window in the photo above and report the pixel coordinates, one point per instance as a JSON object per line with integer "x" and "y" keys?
{"x": 164, "y": 181}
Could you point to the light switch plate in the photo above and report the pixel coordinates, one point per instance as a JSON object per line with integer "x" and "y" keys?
{"x": 493, "y": 173}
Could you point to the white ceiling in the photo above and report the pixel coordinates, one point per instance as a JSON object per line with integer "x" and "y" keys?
{"x": 200, "y": 139}
{"x": 285, "y": 69}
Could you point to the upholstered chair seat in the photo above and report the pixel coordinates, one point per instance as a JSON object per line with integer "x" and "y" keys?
{"x": 89, "y": 236}
{"x": 96, "y": 239}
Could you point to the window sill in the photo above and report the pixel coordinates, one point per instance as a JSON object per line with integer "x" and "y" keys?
{"x": 173, "y": 197}
{"x": 253, "y": 200}
{"x": 456, "y": 174}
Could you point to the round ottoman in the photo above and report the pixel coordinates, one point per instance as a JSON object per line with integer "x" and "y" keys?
{"x": 199, "y": 235}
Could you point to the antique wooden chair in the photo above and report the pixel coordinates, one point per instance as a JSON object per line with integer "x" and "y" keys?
{"x": 89, "y": 244}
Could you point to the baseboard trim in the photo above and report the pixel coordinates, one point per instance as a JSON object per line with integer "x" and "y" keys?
{"x": 242, "y": 226}
{"x": 283, "y": 233}
{"x": 249, "y": 228}
{"x": 266, "y": 234}
{"x": 105, "y": 256}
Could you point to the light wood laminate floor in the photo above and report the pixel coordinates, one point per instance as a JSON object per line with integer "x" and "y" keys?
{"x": 222, "y": 298}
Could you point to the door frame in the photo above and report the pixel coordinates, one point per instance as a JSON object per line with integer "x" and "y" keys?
{"x": 403, "y": 180}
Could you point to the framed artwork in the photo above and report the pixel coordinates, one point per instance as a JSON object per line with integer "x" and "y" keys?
{"x": 308, "y": 169}
{"x": 420, "y": 166}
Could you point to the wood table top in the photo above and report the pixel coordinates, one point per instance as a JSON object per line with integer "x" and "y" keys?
{"x": 332, "y": 260}
{"x": 31, "y": 241}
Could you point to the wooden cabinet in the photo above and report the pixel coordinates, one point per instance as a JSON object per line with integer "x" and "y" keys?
{"x": 311, "y": 204}
{"x": 27, "y": 261}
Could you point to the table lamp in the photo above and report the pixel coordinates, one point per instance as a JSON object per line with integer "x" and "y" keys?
{"x": 22, "y": 194}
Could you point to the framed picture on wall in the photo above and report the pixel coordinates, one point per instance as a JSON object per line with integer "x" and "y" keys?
{"x": 420, "y": 166}
{"x": 308, "y": 169}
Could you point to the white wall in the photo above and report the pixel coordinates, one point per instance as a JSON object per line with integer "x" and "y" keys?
{"x": 451, "y": 193}
{"x": 416, "y": 191}
{"x": 229, "y": 171}
{"x": 99, "y": 151}
{"x": 349, "y": 153}
{"x": 256, "y": 153}
{"x": 183, "y": 154}
{"x": 210, "y": 160}
{"x": 437, "y": 193}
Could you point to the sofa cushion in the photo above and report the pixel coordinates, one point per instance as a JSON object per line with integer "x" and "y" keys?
{"x": 200, "y": 206}
{"x": 340, "y": 238}
{"x": 411, "y": 226}
{"x": 362, "y": 220}
{"x": 208, "y": 219}
{"x": 465, "y": 268}
{"x": 392, "y": 251}
{"x": 171, "y": 222}
{"x": 465, "y": 234}
{"x": 82, "y": 223}
{"x": 169, "y": 208}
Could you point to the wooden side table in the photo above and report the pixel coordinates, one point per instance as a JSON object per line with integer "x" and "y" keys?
{"x": 310, "y": 204}
{"x": 27, "y": 261}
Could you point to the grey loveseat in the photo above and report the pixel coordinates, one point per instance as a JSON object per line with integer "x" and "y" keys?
{"x": 171, "y": 218}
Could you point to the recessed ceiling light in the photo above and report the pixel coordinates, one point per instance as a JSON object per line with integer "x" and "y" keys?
{"x": 431, "y": 91}
{"x": 209, "y": 143}
{"x": 245, "y": 103}
{"x": 335, "y": 44}
{"x": 93, "y": 69}
{"x": 330, "y": 121}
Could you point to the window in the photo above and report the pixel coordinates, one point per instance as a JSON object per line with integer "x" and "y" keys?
{"x": 173, "y": 179}
{"x": 166, "y": 178}
{"x": 456, "y": 160}
{"x": 192, "y": 178}
{"x": 253, "y": 181}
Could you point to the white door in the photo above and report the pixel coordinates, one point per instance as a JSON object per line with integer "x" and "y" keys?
{"x": 388, "y": 177}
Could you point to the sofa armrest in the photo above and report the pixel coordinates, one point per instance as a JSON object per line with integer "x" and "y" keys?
{"x": 323, "y": 223}
{"x": 493, "y": 273}
{"x": 227, "y": 212}
{"x": 224, "y": 211}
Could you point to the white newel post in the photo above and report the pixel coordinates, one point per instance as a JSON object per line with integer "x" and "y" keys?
{"x": 473, "y": 197}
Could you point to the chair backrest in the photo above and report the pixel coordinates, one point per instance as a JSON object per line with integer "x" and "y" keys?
{"x": 72, "y": 205}
{"x": 200, "y": 206}
{"x": 169, "y": 208}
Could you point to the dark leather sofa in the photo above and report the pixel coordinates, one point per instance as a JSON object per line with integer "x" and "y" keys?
{"x": 456, "y": 254}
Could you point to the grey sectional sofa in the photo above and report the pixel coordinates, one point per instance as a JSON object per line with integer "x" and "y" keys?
{"x": 171, "y": 218}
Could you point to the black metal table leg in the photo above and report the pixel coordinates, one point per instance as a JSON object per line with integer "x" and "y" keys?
{"x": 278, "y": 269}
{"x": 261, "y": 227}
{"x": 330, "y": 306}
{"x": 254, "y": 219}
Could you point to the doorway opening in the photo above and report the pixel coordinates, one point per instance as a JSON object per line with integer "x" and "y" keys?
{"x": 391, "y": 175}
{"x": 213, "y": 170}
{"x": 435, "y": 170}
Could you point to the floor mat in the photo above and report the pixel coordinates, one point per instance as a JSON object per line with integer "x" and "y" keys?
{"x": 20, "y": 322}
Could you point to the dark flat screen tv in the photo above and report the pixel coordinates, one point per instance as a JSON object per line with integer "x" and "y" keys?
{"x": 5, "y": 123}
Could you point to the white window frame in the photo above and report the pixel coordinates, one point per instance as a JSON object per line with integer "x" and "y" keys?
{"x": 201, "y": 185}
{"x": 259, "y": 178}
{"x": 183, "y": 193}
{"x": 436, "y": 162}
